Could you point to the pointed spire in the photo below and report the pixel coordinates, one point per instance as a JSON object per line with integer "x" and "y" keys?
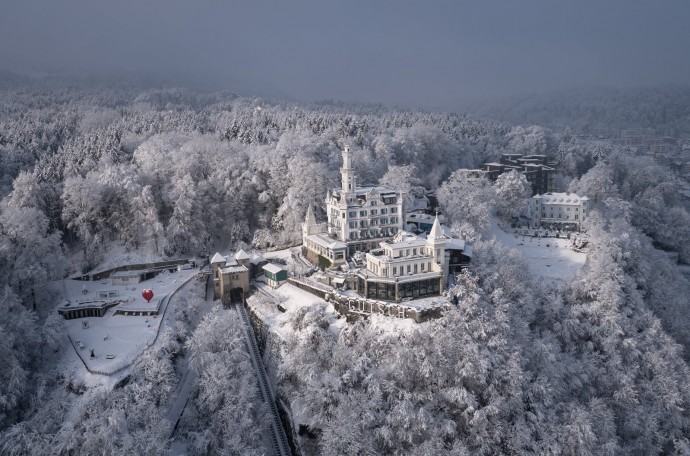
{"x": 242, "y": 255}
{"x": 217, "y": 258}
{"x": 309, "y": 219}
{"x": 436, "y": 231}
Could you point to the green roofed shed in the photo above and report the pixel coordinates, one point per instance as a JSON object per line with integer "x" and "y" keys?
{"x": 275, "y": 274}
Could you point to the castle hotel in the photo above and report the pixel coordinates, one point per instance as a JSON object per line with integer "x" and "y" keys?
{"x": 398, "y": 265}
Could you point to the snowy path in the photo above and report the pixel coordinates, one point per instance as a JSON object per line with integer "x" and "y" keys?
{"x": 279, "y": 439}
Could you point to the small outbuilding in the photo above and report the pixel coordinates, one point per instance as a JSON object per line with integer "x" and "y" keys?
{"x": 275, "y": 274}
{"x": 126, "y": 277}
{"x": 231, "y": 277}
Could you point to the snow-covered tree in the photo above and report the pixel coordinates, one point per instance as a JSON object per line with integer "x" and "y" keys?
{"x": 513, "y": 191}
{"x": 468, "y": 198}
{"x": 232, "y": 418}
{"x": 20, "y": 337}
{"x": 30, "y": 254}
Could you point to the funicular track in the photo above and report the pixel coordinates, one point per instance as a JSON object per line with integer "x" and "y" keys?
{"x": 278, "y": 437}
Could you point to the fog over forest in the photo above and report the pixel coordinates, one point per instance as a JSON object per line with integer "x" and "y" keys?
{"x": 137, "y": 140}
{"x": 411, "y": 54}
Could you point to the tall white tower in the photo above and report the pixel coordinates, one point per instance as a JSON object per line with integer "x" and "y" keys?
{"x": 436, "y": 241}
{"x": 349, "y": 181}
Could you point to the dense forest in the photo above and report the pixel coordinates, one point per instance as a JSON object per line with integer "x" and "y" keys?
{"x": 597, "y": 365}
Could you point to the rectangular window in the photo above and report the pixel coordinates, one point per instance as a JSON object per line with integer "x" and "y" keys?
{"x": 384, "y": 211}
{"x": 394, "y": 210}
{"x": 414, "y": 251}
{"x": 395, "y": 270}
{"x": 576, "y": 217}
{"x": 353, "y": 214}
{"x": 415, "y": 269}
{"x": 407, "y": 252}
{"x": 372, "y": 212}
{"x": 422, "y": 267}
{"x": 373, "y": 202}
{"x": 429, "y": 265}
{"x": 362, "y": 213}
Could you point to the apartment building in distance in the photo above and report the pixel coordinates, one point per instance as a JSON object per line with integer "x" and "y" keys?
{"x": 540, "y": 173}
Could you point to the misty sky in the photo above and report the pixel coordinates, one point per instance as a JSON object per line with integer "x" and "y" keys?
{"x": 427, "y": 53}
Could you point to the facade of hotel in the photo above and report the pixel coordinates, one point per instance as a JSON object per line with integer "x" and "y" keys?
{"x": 560, "y": 210}
{"x": 359, "y": 218}
{"x": 410, "y": 266}
{"x": 398, "y": 265}
{"x": 645, "y": 139}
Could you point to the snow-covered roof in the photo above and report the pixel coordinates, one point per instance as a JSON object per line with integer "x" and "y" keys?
{"x": 421, "y": 217}
{"x": 217, "y": 258}
{"x": 133, "y": 273}
{"x": 257, "y": 258}
{"x": 242, "y": 255}
{"x": 375, "y": 189}
{"x": 561, "y": 198}
{"x": 326, "y": 242}
{"x": 273, "y": 268}
{"x": 233, "y": 269}
{"x": 401, "y": 236}
{"x": 455, "y": 244}
{"x": 406, "y": 243}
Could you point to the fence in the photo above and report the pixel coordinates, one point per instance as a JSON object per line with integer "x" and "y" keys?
{"x": 134, "y": 267}
{"x": 356, "y": 307}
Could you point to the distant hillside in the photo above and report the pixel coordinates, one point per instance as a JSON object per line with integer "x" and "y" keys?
{"x": 600, "y": 112}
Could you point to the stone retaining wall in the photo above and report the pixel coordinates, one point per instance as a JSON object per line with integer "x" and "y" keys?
{"x": 357, "y": 307}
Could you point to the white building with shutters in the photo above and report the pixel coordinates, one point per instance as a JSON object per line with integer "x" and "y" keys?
{"x": 558, "y": 210}
{"x": 359, "y": 218}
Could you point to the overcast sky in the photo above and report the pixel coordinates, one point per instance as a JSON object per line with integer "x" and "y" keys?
{"x": 428, "y": 53}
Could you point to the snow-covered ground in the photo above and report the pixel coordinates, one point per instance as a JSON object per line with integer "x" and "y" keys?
{"x": 123, "y": 337}
{"x": 551, "y": 258}
{"x": 290, "y": 298}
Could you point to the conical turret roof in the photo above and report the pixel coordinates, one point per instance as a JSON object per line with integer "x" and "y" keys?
{"x": 217, "y": 258}
{"x": 310, "y": 219}
{"x": 436, "y": 231}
